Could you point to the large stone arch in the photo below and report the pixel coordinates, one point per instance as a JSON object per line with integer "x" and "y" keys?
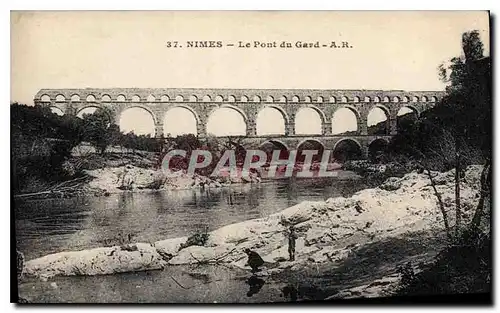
{"x": 353, "y": 147}
{"x": 184, "y": 106}
{"x": 385, "y": 129}
{"x": 275, "y": 142}
{"x": 165, "y": 116}
{"x": 321, "y": 113}
{"x": 354, "y": 140}
{"x": 153, "y": 118}
{"x": 410, "y": 106}
{"x": 383, "y": 107}
{"x": 241, "y": 113}
{"x": 259, "y": 122}
{"x": 141, "y": 106}
{"x": 275, "y": 145}
{"x": 277, "y": 107}
{"x": 229, "y": 106}
{"x": 315, "y": 109}
{"x": 92, "y": 105}
{"x": 310, "y": 139}
{"x": 315, "y": 144}
{"x": 112, "y": 119}
{"x": 310, "y": 144}
{"x": 404, "y": 120}
{"x": 356, "y": 113}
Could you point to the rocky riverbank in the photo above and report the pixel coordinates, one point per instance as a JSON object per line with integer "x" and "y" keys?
{"x": 122, "y": 169}
{"x": 134, "y": 178}
{"x": 329, "y": 233}
{"x": 367, "y": 168}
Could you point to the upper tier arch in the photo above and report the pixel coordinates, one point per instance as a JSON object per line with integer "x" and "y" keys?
{"x": 231, "y": 95}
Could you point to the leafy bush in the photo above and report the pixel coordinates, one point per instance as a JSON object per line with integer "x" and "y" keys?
{"x": 195, "y": 240}
{"x": 464, "y": 267}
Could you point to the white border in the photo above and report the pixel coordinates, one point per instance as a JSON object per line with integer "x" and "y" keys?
{"x": 200, "y": 5}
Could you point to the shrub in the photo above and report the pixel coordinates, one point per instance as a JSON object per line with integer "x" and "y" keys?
{"x": 195, "y": 240}
{"x": 464, "y": 267}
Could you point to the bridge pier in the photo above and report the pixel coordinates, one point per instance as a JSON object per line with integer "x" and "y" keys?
{"x": 251, "y": 128}
{"x": 393, "y": 126}
{"x": 364, "y": 151}
{"x": 290, "y": 128}
{"x": 326, "y": 128}
{"x": 159, "y": 130}
{"x": 201, "y": 121}
{"x": 363, "y": 128}
{"x": 363, "y": 121}
{"x": 393, "y": 121}
{"x": 201, "y": 130}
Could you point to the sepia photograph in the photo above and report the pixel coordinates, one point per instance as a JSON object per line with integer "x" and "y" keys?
{"x": 250, "y": 157}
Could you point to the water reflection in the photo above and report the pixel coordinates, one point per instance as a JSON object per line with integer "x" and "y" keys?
{"x": 255, "y": 284}
{"x": 48, "y": 226}
{"x": 290, "y": 293}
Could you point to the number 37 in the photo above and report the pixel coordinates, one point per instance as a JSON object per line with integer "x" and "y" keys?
{"x": 172, "y": 44}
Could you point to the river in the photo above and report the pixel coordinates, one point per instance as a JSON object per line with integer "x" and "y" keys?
{"x": 55, "y": 225}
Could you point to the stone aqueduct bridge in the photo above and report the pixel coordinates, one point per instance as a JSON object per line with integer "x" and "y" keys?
{"x": 248, "y": 102}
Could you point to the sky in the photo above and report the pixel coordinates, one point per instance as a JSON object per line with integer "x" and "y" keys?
{"x": 390, "y": 50}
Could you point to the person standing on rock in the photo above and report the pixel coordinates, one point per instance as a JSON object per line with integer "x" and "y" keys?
{"x": 292, "y": 237}
{"x": 254, "y": 260}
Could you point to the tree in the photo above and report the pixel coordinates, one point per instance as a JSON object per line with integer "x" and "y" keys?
{"x": 41, "y": 142}
{"x": 457, "y": 131}
{"x": 463, "y": 94}
{"x": 468, "y": 96}
{"x": 99, "y": 130}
